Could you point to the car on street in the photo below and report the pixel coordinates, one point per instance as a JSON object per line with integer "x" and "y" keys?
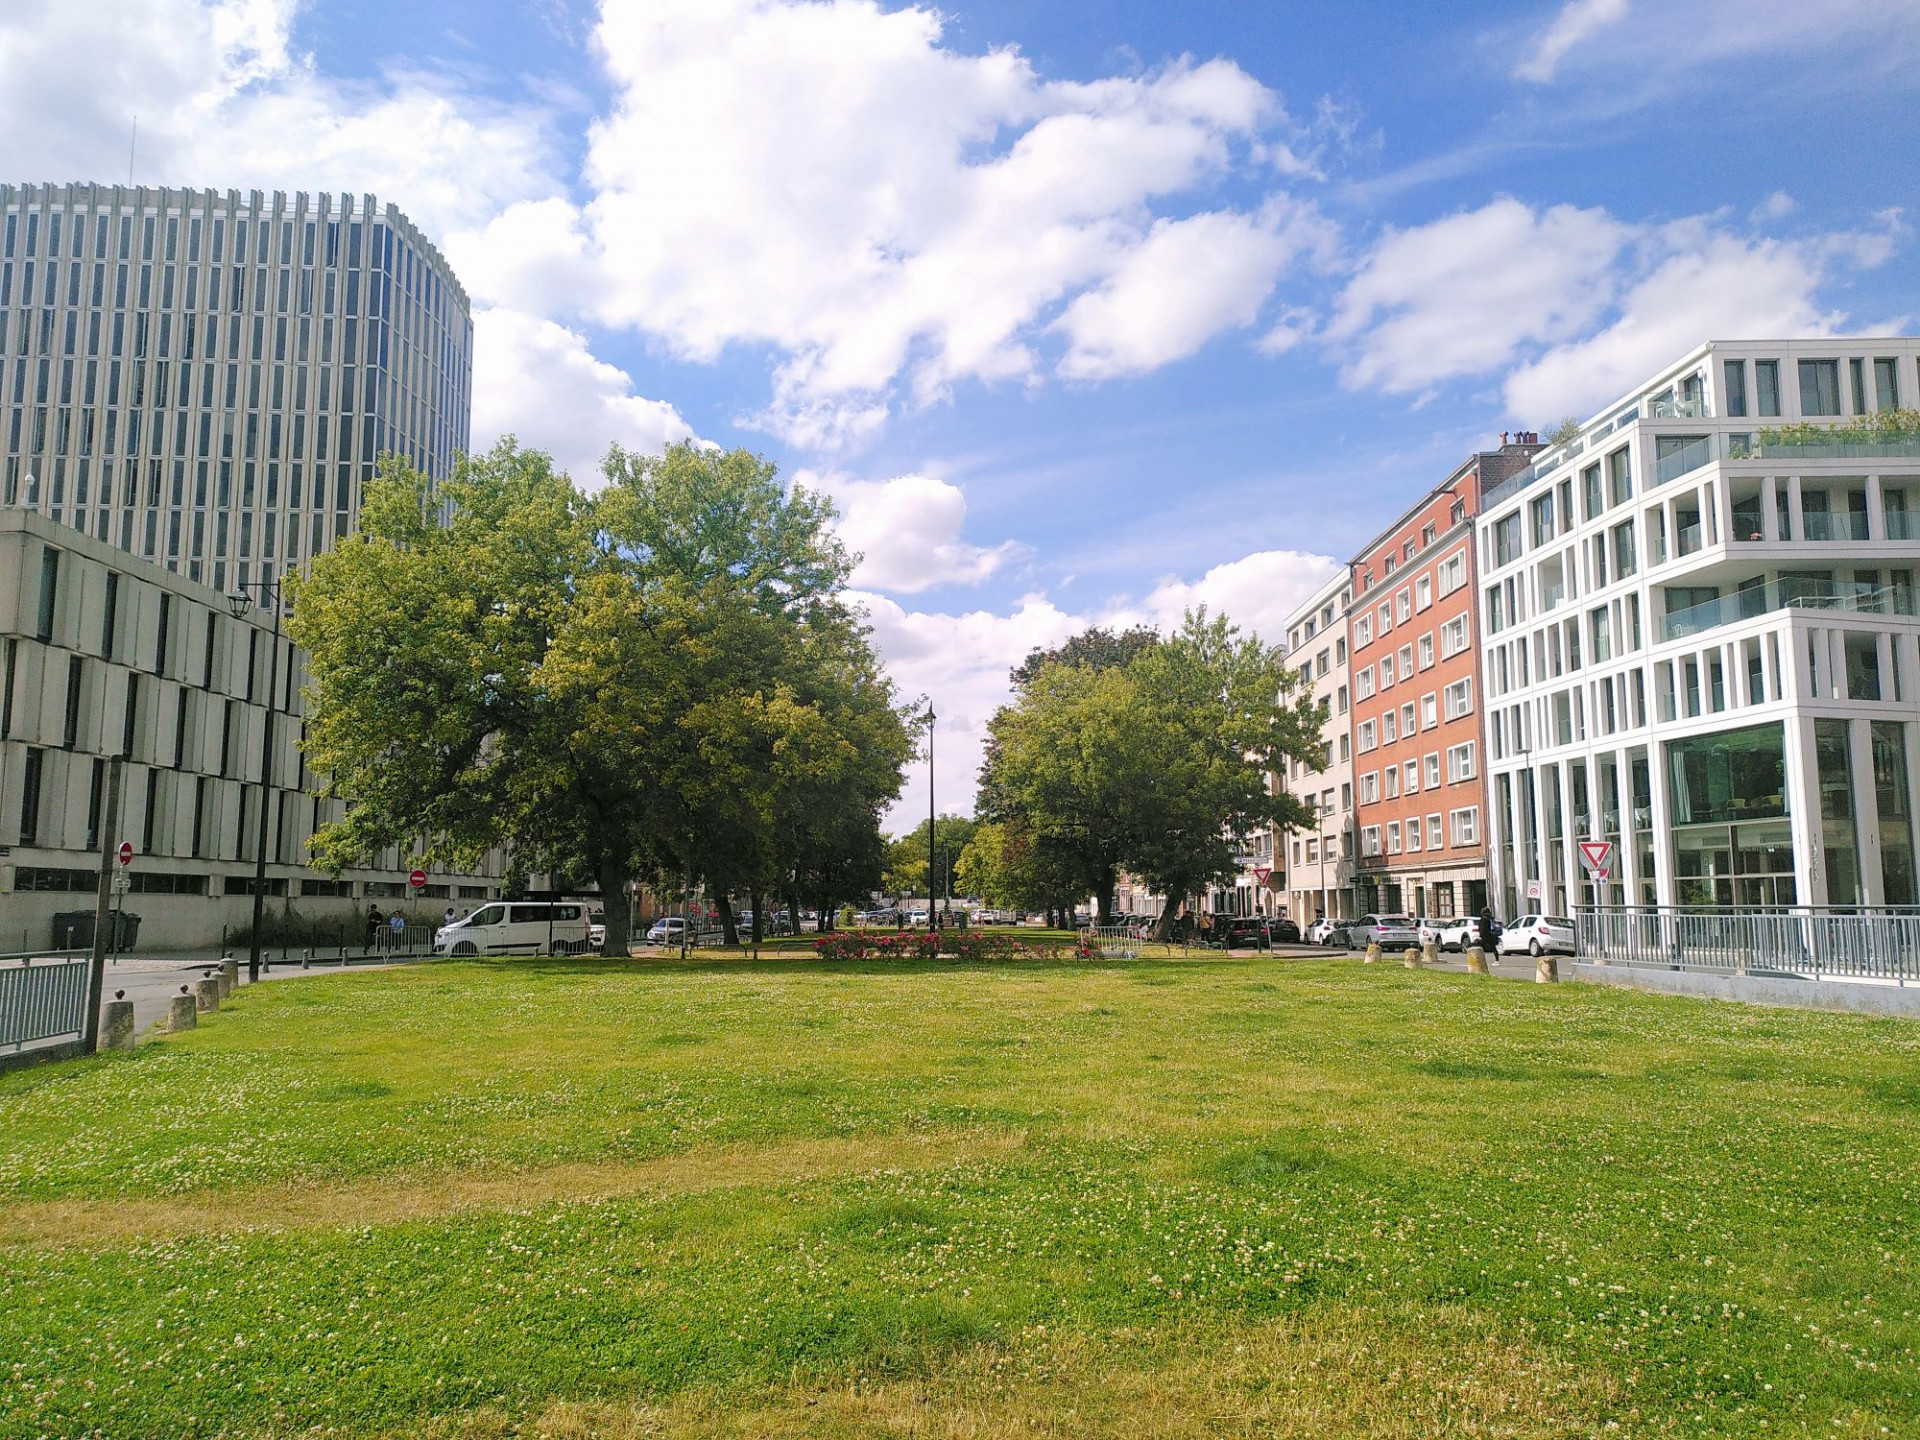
{"x": 1458, "y": 933}
{"x": 597, "y": 928}
{"x": 518, "y": 927}
{"x": 1320, "y": 932}
{"x": 1538, "y": 935}
{"x": 1384, "y": 930}
{"x": 667, "y": 930}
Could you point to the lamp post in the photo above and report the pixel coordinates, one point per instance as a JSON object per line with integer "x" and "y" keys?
{"x": 238, "y": 604}
{"x": 932, "y": 919}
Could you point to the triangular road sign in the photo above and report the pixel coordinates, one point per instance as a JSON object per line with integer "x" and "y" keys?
{"x": 1596, "y": 854}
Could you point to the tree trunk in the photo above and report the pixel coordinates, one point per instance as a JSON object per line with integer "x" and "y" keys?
{"x": 729, "y": 931}
{"x": 1103, "y": 901}
{"x": 1163, "y": 929}
{"x": 613, "y": 899}
{"x": 756, "y": 897}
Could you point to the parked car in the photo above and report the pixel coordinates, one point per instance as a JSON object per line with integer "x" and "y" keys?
{"x": 1538, "y": 935}
{"x": 667, "y": 930}
{"x": 517, "y": 927}
{"x": 1385, "y": 930}
{"x": 1284, "y": 931}
{"x": 1320, "y": 932}
{"x": 597, "y": 928}
{"x": 1458, "y": 933}
{"x": 1429, "y": 928}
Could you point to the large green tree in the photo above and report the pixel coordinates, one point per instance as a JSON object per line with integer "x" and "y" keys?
{"x": 662, "y": 678}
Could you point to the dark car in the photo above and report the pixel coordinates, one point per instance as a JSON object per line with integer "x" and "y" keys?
{"x": 1249, "y": 932}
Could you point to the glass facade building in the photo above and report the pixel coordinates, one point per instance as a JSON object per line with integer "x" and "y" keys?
{"x": 205, "y": 379}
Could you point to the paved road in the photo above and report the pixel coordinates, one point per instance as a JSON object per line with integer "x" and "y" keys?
{"x": 152, "y": 983}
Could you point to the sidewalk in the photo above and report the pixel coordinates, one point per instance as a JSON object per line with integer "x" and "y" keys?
{"x": 151, "y": 982}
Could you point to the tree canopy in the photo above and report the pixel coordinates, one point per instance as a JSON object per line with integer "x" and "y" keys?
{"x": 660, "y": 679}
{"x": 1145, "y": 754}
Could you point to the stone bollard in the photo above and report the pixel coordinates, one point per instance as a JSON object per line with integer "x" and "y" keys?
{"x": 181, "y": 1013}
{"x": 1477, "y": 962}
{"x": 1430, "y": 953}
{"x": 116, "y": 1029}
{"x": 306, "y": 959}
{"x": 1546, "y": 970}
{"x": 206, "y": 995}
{"x": 229, "y": 976}
{"x": 1373, "y": 951}
{"x": 1411, "y": 959}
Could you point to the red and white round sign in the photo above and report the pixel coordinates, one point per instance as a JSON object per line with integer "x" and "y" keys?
{"x": 417, "y": 879}
{"x": 126, "y": 852}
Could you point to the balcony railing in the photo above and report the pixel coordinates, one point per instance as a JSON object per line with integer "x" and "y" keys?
{"x": 1893, "y": 447}
{"x": 1764, "y": 600}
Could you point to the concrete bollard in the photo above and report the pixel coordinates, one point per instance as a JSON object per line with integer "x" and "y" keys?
{"x": 1430, "y": 953}
{"x": 1546, "y": 970}
{"x": 229, "y": 976}
{"x": 306, "y": 959}
{"x": 206, "y": 995}
{"x": 181, "y": 1014}
{"x": 1411, "y": 959}
{"x": 116, "y": 1028}
{"x": 1373, "y": 951}
{"x": 1477, "y": 962}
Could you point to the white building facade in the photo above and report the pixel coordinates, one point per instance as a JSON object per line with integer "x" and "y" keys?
{"x": 1700, "y": 640}
{"x": 1319, "y": 860}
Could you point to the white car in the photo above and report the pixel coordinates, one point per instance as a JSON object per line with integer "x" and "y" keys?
{"x": 518, "y": 927}
{"x": 1319, "y": 932}
{"x": 1458, "y": 933}
{"x": 667, "y": 930}
{"x": 1538, "y": 935}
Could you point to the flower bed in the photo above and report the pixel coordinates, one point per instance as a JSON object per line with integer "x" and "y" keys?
{"x": 953, "y": 944}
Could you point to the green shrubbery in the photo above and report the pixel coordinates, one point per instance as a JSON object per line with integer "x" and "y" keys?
{"x": 954, "y": 944}
{"x": 1897, "y": 424}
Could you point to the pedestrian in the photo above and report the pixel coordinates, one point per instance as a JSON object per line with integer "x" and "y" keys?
{"x": 449, "y": 919}
{"x": 374, "y": 921}
{"x": 1488, "y": 931}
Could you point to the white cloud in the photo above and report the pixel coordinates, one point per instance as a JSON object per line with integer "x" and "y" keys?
{"x": 1465, "y": 294}
{"x": 1257, "y": 592}
{"x": 1718, "y": 288}
{"x": 1577, "y": 22}
{"x": 222, "y": 98}
{"x": 1187, "y": 281}
{"x": 540, "y": 382}
{"x": 1776, "y": 206}
{"x": 924, "y": 228}
{"x": 908, "y": 532}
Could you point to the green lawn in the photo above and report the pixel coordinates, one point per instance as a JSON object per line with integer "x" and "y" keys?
{"x": 1189, "y": 1197}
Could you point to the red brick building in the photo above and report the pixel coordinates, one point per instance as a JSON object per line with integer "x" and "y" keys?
{"x": 1419, "y": 754}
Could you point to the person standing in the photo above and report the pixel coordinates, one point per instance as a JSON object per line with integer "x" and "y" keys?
{"x": 374, "y": 921}
{"x": 1487, "y": 931}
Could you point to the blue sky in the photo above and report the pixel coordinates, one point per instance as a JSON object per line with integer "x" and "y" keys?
{"x": 1083, "y": 311}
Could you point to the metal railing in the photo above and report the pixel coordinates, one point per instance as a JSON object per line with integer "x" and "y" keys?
{"x": 1115, "y": 942}
{"x": 1818, "y": 942}
{"x": 1856, "y": 596}
{"x": 43, "y": 1002}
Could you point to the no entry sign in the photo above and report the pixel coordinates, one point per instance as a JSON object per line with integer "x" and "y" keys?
{"x": 126, "y": 852}
{"x": 417, "y": 879}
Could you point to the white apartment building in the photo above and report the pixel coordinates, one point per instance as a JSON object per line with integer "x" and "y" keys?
{"x": 1700, "y": 640}
{"x": 1319, "y": 861}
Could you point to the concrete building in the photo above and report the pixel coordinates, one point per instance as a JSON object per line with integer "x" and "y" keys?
{"x": 1701, "y": 641}
{"x": 1320, "y": 860}
{"x": 205, "y": 379}
{"x": 194, "y": 389}
{"x": 1418, "y": 749}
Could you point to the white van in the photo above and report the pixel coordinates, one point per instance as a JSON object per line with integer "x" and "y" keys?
{"x": 517, "y": 927}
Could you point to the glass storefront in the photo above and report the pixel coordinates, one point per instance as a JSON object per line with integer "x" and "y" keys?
{"x": 1894, "y": 803}
{"x": 1840, "y": 843}
{"x": 1728, "y": 798}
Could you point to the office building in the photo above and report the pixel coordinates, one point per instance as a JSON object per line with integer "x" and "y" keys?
{"x": 1700, "y": 638}
{"x": 195, "y": 387}
{"x": 1418, "y": 751}
{"x": 1320, "y": 857}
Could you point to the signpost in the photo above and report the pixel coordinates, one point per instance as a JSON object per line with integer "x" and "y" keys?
{"x": 1261, "y": 872}
{"x": 418, "y": 879}
{"x": 126, "y": 852}
{"x": 1597, "y": 856}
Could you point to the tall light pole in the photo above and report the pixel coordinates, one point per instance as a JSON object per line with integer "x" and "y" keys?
{"x": 239, "y": 604}
{"x": 932, "y": 919}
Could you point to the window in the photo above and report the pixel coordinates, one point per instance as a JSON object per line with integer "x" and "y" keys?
{"x": 1466, "y": 825}
{"x": 1432, "y": 763}
{"x": 1506, "y": 539}
{"x": 1459, "y": 698}
{"x": 1453, "y": 637}
{"x": 1340, "y": 697}
{"x": 1619, "y": 477}
{"x": 1819, "y": 387}
{"x": 1406, "y": 662}
{"x": 1405, "y": 602}
{"x": 1363, "y": 683}
{"x": 1370, "y": 840}
{"x": 1426, "y": 535}
{"x": 30, "y": 797}
{"x": 1386, "y": 618}
{"x": 1413, "y": 833}
{"x": 1389, "y": 731}
{"x": 1459, "y": 763}
{"x": 1366, "y": 737}
{"x": 1386, "y": 672}
{"x": 1412, "y": 781}
{"x": 1426, "y": 652}
{"x": 1734, "y": 390}
{"x": 1423, "y": 592}
{"x": 1625, "y": 563}
{"x": 1406, "y": 718}
{"x": 1363, "y": 631}
{"x": 1393, "y": 837}
{"x": 49, "y": 591}
{"x": 1766, "y": 386}
{"x": 1390, "y": 783}
{"x": 1452, "y": 572}
{"x": 1540, "y": 519}
{"x": 1886, "y": 384}
{"x": 1590, "y": 489}
{"x": 1429, "y": 710}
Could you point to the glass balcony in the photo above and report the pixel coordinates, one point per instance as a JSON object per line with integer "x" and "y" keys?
{"x": 1677, "y": 407}
{"x": 1903, "y": 525}
{"x": 1688, "y": 539}
{"x": 1758, "y": 600}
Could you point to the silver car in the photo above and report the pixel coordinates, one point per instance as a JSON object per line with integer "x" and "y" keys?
{"x": 1385, "y": 930}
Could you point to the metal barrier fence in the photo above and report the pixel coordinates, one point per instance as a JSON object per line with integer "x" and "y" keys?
{"x": 43, "y": 1002}
{"x": 1820, "y": 942}
{"x": 1115, "y": 942}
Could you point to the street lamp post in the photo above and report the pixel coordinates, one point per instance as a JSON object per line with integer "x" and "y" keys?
{"x": 932, "y": 919}
{"x": 238, "y": 605}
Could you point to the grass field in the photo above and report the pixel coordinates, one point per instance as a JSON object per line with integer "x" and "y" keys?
{"x": 1185, "y": 1198}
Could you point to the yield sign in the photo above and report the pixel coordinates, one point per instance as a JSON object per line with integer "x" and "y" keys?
{"x": 1596, "y": 855}
{"x": 1261, "y": 872}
